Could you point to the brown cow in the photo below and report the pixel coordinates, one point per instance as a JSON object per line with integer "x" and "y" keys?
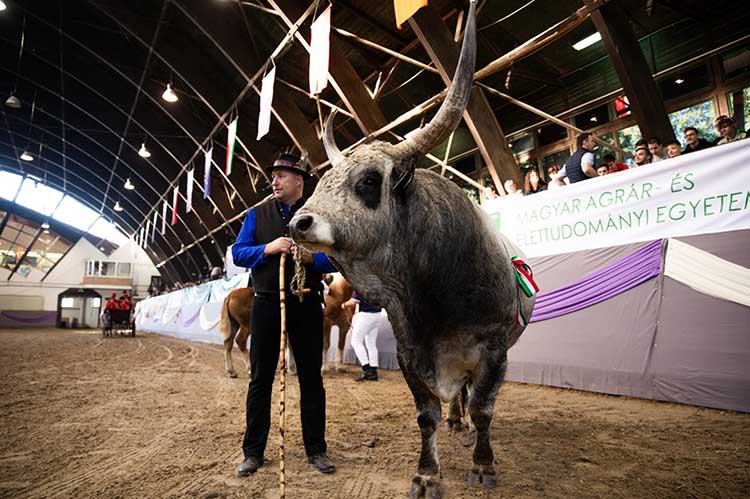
{"x": 339, "y": 293}
{"x": 235, "y": 325}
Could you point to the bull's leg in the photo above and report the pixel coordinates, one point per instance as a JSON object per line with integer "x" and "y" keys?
{"x": 454, "y": 415}
{"x": 481, "y": 407}
{"x": 426, "y": 482}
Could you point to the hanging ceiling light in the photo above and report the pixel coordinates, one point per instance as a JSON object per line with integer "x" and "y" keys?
{"x": 13, "y": 102}
{"x": 45, "y": 225}
{"x": 26, "y": 156}
{"x": 117, "y": 206}
{"x": 169, "y": 94}
{"x": 2, "y": 6}
{"x": 129, "y": 185}
{"x": 143, "y": 152}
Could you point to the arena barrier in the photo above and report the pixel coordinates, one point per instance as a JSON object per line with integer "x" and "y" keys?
{"x": 651, "y": 300}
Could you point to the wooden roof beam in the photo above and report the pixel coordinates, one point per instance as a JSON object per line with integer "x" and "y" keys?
{"x": 624, "y": 51}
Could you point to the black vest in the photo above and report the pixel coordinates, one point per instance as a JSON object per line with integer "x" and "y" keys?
{"x": 573, "y": 166}
{"x": 270, "y": 224}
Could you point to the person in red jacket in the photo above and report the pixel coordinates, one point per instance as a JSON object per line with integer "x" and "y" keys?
{"x": 112, "y": 303}
{"x": 125, "y": 302}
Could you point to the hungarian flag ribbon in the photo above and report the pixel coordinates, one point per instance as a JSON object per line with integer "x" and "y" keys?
{"x": 524, "y": 276}
{"x": 525, "y": 279}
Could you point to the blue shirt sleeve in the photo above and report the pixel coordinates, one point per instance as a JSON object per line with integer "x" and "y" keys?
{"x": 245, "y": 252}
{"x": 322, "y": 263}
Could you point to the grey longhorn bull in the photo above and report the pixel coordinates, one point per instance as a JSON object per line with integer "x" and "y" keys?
{"x": 412, "y": 242}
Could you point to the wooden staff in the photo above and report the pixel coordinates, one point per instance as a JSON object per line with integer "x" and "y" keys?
{"x": 282, "y": 379}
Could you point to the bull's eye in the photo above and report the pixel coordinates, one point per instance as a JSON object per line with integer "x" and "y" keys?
{"x": 368, "y": 188}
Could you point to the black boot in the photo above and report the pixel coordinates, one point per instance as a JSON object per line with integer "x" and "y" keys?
{"x": 363, "y": 376}
{"x": 372, "y": 375}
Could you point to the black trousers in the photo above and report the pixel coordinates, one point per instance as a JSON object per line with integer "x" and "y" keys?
{"x": 304, "y": 325}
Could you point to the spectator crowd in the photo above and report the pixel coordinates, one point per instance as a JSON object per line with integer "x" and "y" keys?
{"x": 582, "y": 166}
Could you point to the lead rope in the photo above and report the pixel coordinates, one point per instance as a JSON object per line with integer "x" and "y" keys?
{"x": 297, "y": 286}
{"x": 282, "y": 380}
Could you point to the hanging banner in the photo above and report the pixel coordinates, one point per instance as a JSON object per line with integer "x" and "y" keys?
{"x": 231, "y": 139}
{"x": 164, "y": 217}
{"x": 702, "y": 192}
{"x": 189, "y": 191}
{"x": 266, "y": 98}
{"x": 404, "y": 9}
{"x": 153, "y": 225}
{"x": 207, "y": 173}
{"x": 319, "y": 52}
{"x": 141, "y": 239}
{"x": 148, "y": 230}
{"x": 175, "y": 198}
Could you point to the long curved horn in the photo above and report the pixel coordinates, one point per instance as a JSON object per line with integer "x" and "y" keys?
{"x": 329, "y": 142}
{"x": 449, "y": 115}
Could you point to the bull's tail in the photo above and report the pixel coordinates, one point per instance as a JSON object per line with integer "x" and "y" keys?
{"x": 225, "y": 321}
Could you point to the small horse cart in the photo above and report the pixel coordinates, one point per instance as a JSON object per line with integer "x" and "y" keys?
{"x": 118, "y": 321}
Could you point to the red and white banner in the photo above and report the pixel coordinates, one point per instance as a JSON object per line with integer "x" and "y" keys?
{"x": 175, "y": 198}
{"x": 319, "y": 52}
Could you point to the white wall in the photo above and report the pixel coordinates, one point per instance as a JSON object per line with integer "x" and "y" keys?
{"x": 70, "y": 271}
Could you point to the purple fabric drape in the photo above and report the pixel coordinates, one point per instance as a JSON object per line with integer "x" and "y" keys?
{"x": 191, "y": 319}
{"x": 603, "y": 284}
{"x": 31, "y": 319}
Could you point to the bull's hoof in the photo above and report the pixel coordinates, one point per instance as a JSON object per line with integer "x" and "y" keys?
{"x": 428, "y": 487}
{"x": 456, "y": 426}
{"x": 482, "y": 475}
{"x": 231, "y": 374}
{"x": 475, "y": 477}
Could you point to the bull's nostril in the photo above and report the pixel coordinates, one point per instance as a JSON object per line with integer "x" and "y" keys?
{"x": 303, "y": 223}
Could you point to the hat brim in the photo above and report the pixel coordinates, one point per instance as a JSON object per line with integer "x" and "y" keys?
{"x": 298, "y": 171}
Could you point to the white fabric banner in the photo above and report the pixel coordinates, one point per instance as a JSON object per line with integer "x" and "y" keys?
{"x": 707, "y": 273}
{"x": 700, "y": 193}
{"x": 164, "y": 217}
{"x": 189, "y": 191}
{"x": 320, "y": 32}
{"x": 266, "y": 98}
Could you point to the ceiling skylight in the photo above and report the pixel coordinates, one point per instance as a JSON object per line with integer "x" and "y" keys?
{"x": 33, "y": 194}
{"x": 75, "y": 213}
{"x": 104, "y": 229}
{"x": 38, "y": 197}
{"x": 9, "y": 184}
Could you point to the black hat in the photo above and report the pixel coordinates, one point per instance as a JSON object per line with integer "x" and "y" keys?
{"x": 289, "y": 162}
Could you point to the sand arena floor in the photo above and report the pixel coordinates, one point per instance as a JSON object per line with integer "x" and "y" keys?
{"x": 84, "y": 416}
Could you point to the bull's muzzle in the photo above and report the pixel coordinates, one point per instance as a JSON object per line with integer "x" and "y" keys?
{"x": 312, "y": 231}
{"x": 299, "y": 225}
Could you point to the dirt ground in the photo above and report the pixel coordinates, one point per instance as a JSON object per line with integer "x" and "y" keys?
{"x": 152, "y": 416}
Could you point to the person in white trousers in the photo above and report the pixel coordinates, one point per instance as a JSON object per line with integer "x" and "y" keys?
{"x": 366, "y": 322}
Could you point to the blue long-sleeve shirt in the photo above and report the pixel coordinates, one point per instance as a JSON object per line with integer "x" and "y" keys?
{"x": 247, "y": 253}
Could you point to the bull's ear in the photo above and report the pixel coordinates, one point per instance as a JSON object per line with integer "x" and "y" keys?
{"x": 403, "y": 174}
